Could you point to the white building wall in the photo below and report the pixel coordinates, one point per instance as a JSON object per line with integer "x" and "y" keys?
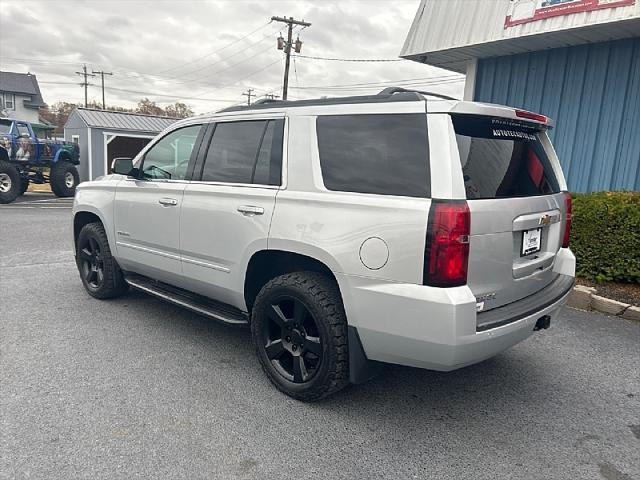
{"x": 20, "y": 112}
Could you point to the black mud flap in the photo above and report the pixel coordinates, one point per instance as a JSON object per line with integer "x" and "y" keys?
{"x": 361, "y": 369}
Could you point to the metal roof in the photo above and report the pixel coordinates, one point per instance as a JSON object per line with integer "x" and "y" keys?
{"x": 25, "y": 83}
{"x": 134, "y": 122}
{"x": 449, "y": 33}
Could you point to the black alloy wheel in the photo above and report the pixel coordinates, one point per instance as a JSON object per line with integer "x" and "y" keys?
{"x": 299, "y": 329}
{"x": 291, "y": 339}
{"x": 99, "y": 271}
{"x": 92, "y": 263}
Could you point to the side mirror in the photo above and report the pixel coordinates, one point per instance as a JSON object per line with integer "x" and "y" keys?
{"x": 123, "y": 166}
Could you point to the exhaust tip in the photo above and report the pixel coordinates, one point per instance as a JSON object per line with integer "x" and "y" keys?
{"x": 543, "y": 323}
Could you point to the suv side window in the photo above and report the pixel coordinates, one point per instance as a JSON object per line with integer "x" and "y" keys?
{"x": 169, "y": 158}
{"x": 245, "y": 152}
{"x": 385, "y": 154}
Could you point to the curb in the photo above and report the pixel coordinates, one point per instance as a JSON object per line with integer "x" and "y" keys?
{"x": 587, "y": 298}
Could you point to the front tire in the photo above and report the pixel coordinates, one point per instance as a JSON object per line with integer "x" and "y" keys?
{"x": 99, "y": 271}
{"x": 64, "y": 179}
{"x": 10, "y": 182}
{"x": 299, "y": 330}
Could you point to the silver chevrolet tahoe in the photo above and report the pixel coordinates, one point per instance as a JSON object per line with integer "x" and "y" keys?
{"x": 404, "y": 227}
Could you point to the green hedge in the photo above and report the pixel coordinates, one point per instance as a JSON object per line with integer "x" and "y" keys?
{"x": 605, "y": 236}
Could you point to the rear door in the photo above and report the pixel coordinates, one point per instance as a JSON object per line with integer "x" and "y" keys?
{"x": 226, "y": 212}
{"x": 513, "y": 186}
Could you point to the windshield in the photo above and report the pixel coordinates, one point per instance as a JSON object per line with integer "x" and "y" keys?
{"x": 502, "y": 158}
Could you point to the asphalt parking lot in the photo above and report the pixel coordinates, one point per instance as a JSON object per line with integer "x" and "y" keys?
{"x": 136, "y": 388}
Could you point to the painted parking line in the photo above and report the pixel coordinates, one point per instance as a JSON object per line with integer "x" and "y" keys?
{"x": 50, "y": 200}
{"x": 34, "y": 207}
{"x": 41, "y": 203}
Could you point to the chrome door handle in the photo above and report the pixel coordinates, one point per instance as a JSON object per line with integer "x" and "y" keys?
{"x": 168, "y": 202}
{"x": 250, "y": 210}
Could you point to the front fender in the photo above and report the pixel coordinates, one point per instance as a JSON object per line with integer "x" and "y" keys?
{"x": 97, "y": 198}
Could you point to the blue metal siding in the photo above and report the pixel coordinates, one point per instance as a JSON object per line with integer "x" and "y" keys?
{"x": 593, "y": 94}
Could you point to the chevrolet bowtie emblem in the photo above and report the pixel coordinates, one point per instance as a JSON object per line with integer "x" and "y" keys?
{"x": 545, "y": 220}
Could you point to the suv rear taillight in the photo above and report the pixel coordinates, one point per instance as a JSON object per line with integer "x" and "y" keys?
{"x": 447, "y": 248}
{"x": 567, "y": 221}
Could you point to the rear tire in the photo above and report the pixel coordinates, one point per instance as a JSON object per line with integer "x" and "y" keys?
{"x": 10, "y": 182}
{"x": 99, "y": 271}
{"x": 299, "y": 330}
{"x": 64, "y": 179}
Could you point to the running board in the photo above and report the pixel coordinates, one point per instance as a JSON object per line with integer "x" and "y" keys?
{"x": 196, "y": 303}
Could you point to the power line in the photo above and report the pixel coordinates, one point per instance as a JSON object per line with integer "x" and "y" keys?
{"x": 184, "y": 74}
{"x": 192, "y": 97}
{"x": 215, "y": 51}
{"x": 353, "y": 59}
{"x": 255, "y": 72}
{"x": 175, "y": 78}
{"x": 177, "y": 97}
{"x": 423, "y": 80}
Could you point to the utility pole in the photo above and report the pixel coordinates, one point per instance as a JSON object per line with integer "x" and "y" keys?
{"x": 248, "y": 94}
{"x": 271, "y": 96}
{"x": 102, "y": 74}
{"x": 85, "y": 84}
{"x": 287, "y": 47}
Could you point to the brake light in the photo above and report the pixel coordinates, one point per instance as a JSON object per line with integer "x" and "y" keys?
{"x": 531, "y": 116}
{"x": 447, "y": 248}
{"x": 567, "y": 222}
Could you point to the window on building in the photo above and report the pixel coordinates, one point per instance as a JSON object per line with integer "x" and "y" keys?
{"x": 9, "y": 101}
{"x": 380, "y": 154}
{"x": 245, "y": 152}
{"x": 75, "y": 139}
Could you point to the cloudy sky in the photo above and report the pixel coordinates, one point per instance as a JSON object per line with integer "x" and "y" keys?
{"x": 206, "y": 53}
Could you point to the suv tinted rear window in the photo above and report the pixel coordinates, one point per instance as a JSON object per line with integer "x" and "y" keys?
{"x": 502, "y": 158}
{"x": 381, "y": 154}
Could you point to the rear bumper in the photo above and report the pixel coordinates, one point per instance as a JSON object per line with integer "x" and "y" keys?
{"x": 437, "y": 328}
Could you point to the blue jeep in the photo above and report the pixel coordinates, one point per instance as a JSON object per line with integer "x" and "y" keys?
{"x": 28, "y": 154}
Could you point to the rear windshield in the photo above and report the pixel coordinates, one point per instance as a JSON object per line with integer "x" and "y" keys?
{"x": 385, "y": 154}
{"x": 502, "y": 158}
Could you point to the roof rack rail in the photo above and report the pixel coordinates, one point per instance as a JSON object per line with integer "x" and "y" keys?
{"x": 392, "y": 90}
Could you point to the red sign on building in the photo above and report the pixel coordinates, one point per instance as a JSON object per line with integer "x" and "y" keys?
{"x": 525, "y": 11}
